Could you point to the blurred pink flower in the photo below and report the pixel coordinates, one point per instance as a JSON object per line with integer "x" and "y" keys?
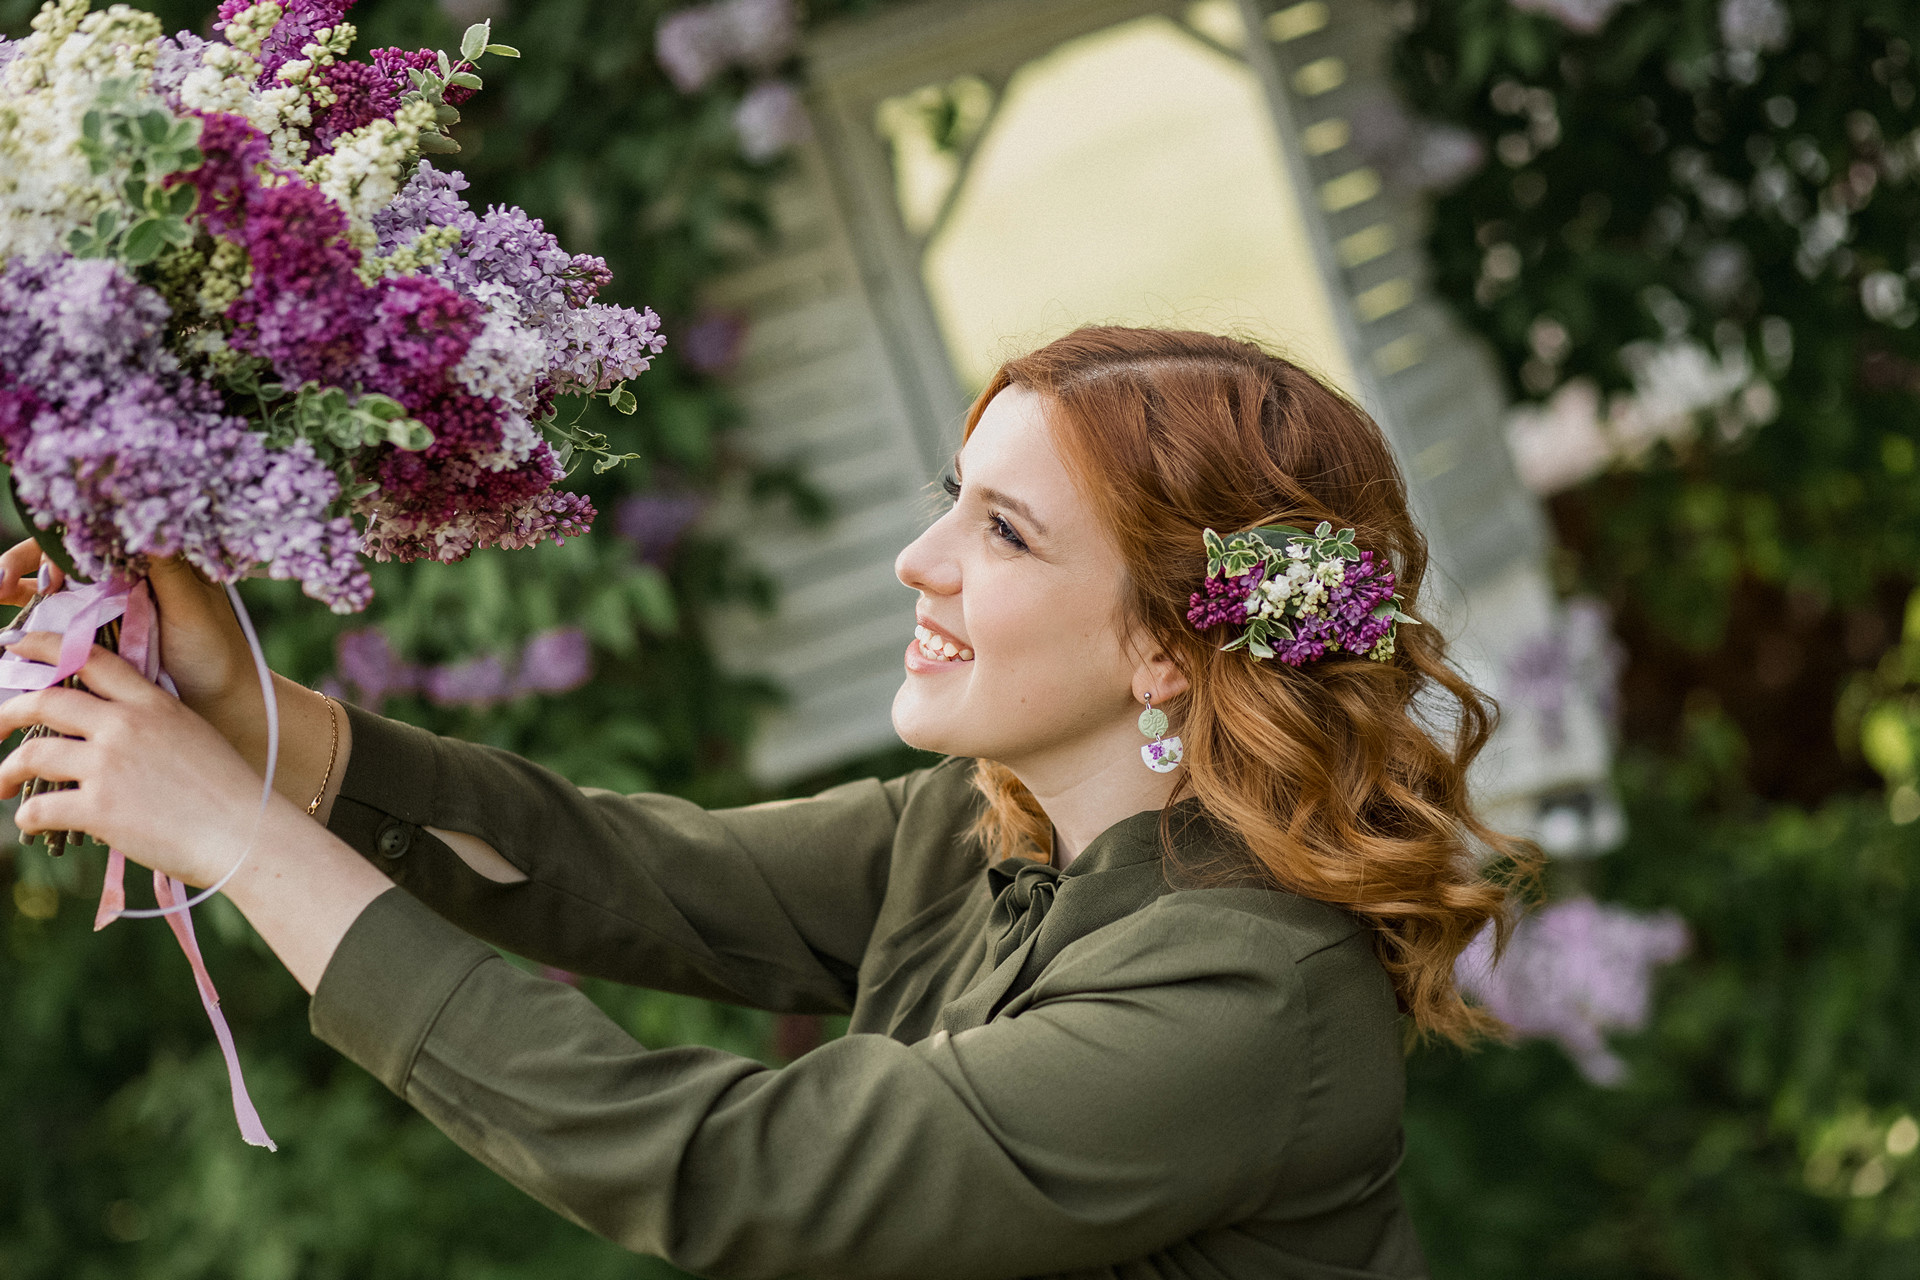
{"x": 1582, "y": 16}
{"x": 770, "y": 119}
{"x": 477, "y": 682}
{"x": 712, "y": 342}
{"x": 656, "y": 521}
{"x": 557, "y": 661}
{"x": 692, "y": 47}
{"x": 368, "y": 666}
{"x": 1574, "y": 971}
{"x": 695, "y": 45}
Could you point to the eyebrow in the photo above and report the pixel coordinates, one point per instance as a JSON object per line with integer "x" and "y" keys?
{"x": 995, "y": 498}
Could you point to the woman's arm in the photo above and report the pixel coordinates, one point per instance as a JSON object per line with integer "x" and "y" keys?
{"x": 1163, "y": 1081}
{"x": 770, "y": 905}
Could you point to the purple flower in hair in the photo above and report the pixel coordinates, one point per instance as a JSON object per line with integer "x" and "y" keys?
{"x": 1222, "y": 601}
{"x": 1299, "y": 595}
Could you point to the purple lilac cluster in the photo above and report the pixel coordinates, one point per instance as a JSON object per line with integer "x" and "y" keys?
{"x": 1346, "y": 622}
{"x": 1221, "y": 601}
{"x": 131, "y": 458}
{"x": 370, "y": 672}
{"x": 1572, "y": 972}
{"x": 1298, "y": 596}
{"x": 514, "y": 272}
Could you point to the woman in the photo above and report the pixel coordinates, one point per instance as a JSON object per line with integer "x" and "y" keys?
{"x": 1113, "y": 1014}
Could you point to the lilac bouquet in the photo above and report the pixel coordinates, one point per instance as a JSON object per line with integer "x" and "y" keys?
{"x": 1299, "y": 595}
{"x": 245, "y": 321}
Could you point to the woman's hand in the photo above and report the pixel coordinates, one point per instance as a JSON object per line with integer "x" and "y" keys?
{"x": 205, "y": 653}
{"x": 156, "y": 781}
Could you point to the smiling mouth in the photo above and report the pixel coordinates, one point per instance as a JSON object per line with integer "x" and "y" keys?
{"x": 935, "y": 647}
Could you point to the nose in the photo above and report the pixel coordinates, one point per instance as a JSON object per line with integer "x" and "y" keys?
{"x": 926, "y": 564}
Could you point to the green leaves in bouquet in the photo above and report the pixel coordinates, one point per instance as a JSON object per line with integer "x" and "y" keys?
{"x": 123, "y": 131}
{"x": 338, "y": 424}
{"x": 430, "y": 84}
{"x": 570, "y": 437}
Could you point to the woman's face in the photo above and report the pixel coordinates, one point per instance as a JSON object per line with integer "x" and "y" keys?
{"x": 1020, "y": 598}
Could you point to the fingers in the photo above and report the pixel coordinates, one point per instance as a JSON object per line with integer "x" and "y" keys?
{"x": 73, "y": 712}
{"x": 106, "y": 674}
{"x": 55, "y": 759}
{"x": 69, "y": 810}
{"x": 20, "y": 568}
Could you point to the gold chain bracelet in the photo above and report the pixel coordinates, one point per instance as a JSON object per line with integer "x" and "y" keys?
{"x": 333, "y": 754}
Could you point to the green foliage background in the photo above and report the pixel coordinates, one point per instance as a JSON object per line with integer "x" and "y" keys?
{"x": 1752, "y": 1137}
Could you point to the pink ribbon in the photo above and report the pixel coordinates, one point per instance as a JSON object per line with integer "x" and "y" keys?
{"x": 171, "y": 892}
{"x": 78, "y": 611}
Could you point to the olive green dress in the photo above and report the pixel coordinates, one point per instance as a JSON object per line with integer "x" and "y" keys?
{"x": 1073, "y": 1073}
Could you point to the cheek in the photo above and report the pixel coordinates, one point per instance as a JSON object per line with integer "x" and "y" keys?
{"x": 1044, "y": 649}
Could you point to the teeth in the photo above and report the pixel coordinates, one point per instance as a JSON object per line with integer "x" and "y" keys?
{"x": 938, "y": 648}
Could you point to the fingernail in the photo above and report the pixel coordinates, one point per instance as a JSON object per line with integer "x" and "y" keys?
{"x": 12, "y": 635}
{"x": 44, "y": 579}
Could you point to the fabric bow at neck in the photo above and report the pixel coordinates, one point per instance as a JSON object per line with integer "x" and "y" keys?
{"x": 1023, "y": 891}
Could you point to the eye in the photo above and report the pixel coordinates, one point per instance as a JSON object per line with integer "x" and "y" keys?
{"x": 996, "y": 523}
{"x": 1005, "y": 533}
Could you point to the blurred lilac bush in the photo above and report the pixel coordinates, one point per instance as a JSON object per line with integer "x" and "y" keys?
{"x": 1573, "y": 972}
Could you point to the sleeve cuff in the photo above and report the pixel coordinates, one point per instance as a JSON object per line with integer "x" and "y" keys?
{"x": 387, "y": 982}
{"x": 394, "y": 767}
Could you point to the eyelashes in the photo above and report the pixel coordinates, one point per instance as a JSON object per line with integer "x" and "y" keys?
{"x": 996, "y": 522}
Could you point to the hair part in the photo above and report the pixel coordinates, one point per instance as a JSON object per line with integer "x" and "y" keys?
{"x": 1345, "y": 779}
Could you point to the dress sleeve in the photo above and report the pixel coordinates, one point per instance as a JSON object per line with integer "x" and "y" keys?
{"x": 769, "y": 906}
{"x": 1146, "y": 1094}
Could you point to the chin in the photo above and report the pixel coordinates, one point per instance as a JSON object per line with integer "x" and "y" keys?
{"x": 921, "y": 726}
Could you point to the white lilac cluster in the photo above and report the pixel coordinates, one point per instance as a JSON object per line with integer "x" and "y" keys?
{"x": 1302, "y": 585}
{"x": 49, "y": 83}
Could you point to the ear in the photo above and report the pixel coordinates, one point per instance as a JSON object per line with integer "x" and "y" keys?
{"x": 1157, "y": 675}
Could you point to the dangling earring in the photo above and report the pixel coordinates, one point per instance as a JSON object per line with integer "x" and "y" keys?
{"x": 1163, "y": 754}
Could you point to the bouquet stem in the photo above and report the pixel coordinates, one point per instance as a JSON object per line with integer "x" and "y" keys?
{"x": 107, "y": 636}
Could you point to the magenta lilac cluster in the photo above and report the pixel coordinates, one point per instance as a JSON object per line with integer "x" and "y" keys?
{"x": 1299, "y": 596}
{"x": 274, "y": 336}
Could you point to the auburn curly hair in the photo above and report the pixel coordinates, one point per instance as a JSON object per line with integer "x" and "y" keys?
{"x": 1346, "y": 778}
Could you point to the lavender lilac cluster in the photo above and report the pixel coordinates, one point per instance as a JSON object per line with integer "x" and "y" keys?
{"x": 112, "y": 443}
{"x": 1573, "y": 972}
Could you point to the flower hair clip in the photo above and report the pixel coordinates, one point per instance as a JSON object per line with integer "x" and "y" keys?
{"x": 1299, "y": 595}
